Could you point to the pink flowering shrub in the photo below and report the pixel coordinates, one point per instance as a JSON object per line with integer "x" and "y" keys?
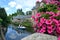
{"x": 48, "y": 22}
{"x": 59, "y": 38}
{"x": 56, "y": 2}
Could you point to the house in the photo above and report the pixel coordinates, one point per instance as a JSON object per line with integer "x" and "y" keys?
{"x": 38, "y": 4}
{"x": 20, "y": 18}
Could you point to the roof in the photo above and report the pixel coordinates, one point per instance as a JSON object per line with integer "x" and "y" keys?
{"x": 22, "y": 16}
{"x": 33, "y": 8}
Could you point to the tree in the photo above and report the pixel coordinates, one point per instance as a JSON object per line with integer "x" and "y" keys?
{"x": 19, "y": 12}
{"x": 4, "y": 21}
{"x": 14, "y": 14}
{"x": 3, "y": 16}
{"x": 28, "y": 12}
{"x": 0, "y": 20}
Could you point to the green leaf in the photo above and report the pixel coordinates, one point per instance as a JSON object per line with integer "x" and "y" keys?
{"x": 1, "y": 20}
{"x": 46, "y": 16}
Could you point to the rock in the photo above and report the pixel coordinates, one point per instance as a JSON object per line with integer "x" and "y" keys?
{"x": 39, "y": 36}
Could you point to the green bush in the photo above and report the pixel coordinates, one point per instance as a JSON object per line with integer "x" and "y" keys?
{"x": 28, "y": 26}
{"x": 15, "y": 23}
{"x": 49, "y": 7}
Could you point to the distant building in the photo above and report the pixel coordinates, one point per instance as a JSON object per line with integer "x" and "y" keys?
{"x": 21, "y": 18}
{"x": 38, "y": 4}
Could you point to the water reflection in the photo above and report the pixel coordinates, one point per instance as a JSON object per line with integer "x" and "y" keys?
{"x": 14, "y": 35}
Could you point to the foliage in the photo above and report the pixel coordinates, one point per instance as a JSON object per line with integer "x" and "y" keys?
{"x": 29, "y": 13}
{"x": 16, "y": 23}
{"x": 28, "y": 26}
{"x": 4, "y": 17}
{"x": 45, "y": 16}
{"x": 49, "y": 7}
{"x": 0, "y": 20}
{"x": 8, "y": 19}
{"x": 2, "y": 13}
{"x": 19, "y": 12}
{"x": 14, "y": 14}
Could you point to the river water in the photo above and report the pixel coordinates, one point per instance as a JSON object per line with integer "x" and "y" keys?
{"x": 12, "y": 34}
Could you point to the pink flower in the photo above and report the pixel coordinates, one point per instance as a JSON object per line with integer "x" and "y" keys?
{"x": 58, "y": 25}
{"x": 55, "y": 14}
{"x": 38, "y": 30}
{"x": 58, "y": 28}
{"x": 53, "y": 2}
{"x": 42, "y": 31}
{"x": 59, "y": 38}
{"x": 47, "y": 12}
{"x": 46, "y": 1}
{"x": 58, "y": 8}
{"x": 51, "y": 13}
{"x": 58, "y": 13}
{"x": 39, "y": 25}
{"x": 51, "y": 17}
{"x": 44, "y": 26}
{"x": 59, "y": 21}
{"x": 50, "y": 26}
{"x": 42, "y": 20}
{"x": 33, "y": 17}
{"x": 50, "y": 31}
{"x": 58, "y": 3}
{"x": 38, "y": 15}
{"x": 48, "y": 21}
{"x": 55, "y": 21}
{"x": 35, "y": 29}
{"x": 36, "y": 20}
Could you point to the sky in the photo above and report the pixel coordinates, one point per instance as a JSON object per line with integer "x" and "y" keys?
{"x": 12, "y": 5}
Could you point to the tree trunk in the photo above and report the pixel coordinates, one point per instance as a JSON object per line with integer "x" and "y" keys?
{"x": 2, "y": 34}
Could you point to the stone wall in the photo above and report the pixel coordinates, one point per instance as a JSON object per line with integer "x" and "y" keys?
{"x": 39, "y": 36}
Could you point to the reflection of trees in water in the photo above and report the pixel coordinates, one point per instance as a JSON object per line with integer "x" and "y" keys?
{"x": 20, "y": 30}
{"x": 18, "y": 33}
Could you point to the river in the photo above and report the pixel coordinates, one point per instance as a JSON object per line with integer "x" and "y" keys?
{"x": 12, "y": 34}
